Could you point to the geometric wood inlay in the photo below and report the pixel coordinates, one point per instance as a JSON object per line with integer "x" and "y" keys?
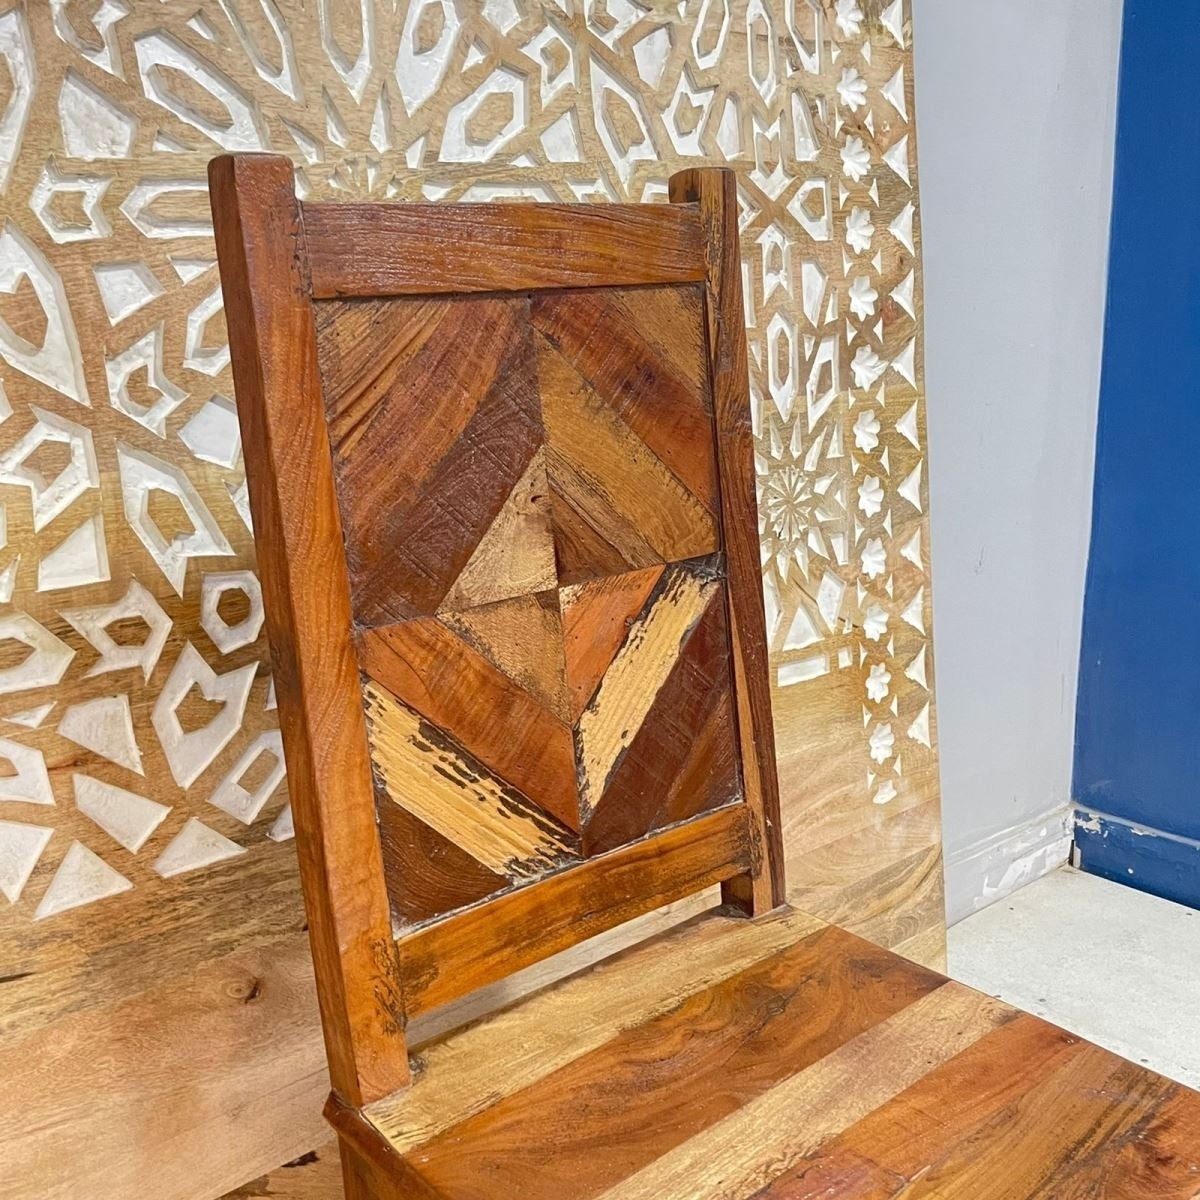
{"x": 528, "y": 494}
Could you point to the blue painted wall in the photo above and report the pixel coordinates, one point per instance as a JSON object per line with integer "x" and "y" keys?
{"x": 1137, "y": 753}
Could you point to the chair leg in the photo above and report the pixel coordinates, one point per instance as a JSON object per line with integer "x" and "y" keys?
{"x": 354, "y": 1182}
{"x": 363, "y": 1179}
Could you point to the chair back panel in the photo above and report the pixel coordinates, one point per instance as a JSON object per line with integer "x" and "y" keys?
{"x": 528, "y": 492}
{"x": 548, "y": 546}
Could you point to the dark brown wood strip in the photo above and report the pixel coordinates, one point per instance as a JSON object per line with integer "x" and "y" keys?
{"x": 483, "y": 944}
{"x": 709, "y": 775}
{"x": 655, "y": 1086}
{"x": 715, "y": 192}
{"x": 393, "y": 250}
{"x": 940, "y": 1110}
{"x": 452, "y": 685}
{"x": 407, "y": 546}
{"x": 607, "y": 474}
{"x": 402, "y": 378}
{"x": 1086, "y": 1129}
{"x": 427, "y": 875}
{"x": 260, "y": 242}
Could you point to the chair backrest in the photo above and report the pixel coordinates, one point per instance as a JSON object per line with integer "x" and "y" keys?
{"x": 500, "y": 465}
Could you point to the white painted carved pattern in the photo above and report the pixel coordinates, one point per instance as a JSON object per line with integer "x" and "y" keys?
{"x": 137, "y": 733}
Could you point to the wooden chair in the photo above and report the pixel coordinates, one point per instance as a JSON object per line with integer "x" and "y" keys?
{"x": 501, "y": 472}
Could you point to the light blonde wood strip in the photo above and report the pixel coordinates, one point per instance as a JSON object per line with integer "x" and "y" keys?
{"x": 637, "y": 672}
{"x": 458, "y": 1077}
{"x": 927, "y": 948}
{"x": 473, "y": 810}
{"x": 739, "y": 1155}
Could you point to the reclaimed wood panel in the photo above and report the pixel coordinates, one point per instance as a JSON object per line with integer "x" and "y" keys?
{"x": 528, "y": 487}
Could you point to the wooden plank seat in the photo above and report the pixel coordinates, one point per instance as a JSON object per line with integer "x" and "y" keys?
{"x": 776, "y": 1059}
{"x": 500, "y": 466}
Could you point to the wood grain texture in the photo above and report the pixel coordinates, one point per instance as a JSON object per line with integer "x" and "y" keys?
{"x": 715, "y": 192}
{"x": 605, "y": 478}
{"x": 169, "y": 1061}
{"x": 434, "y": 425}
{"x": 314, "y": 1175}
{"x": 260, "y": 242}
{"x": 427, "y": 873}
{"x": 523, "y": 637}
{"x": 763, "y": 1138}
{"x": 651, "y": 785}
{"x": 637, "y": 674}
{"x": 643, "y": 351}
{"x": 565, "y": 460}
{"x": 552, "y": 1027}
{"x": 434, "y": 672}
{"x": 596, "y": 618}
{"x": 513, "y": 468}
{"x": 491, "y": 248}
{"x": 429, "y": 776}
{"x": 1028, "y": 1111}
{"x": 709, "y": 1056}
{"x": 777, "y": 1059}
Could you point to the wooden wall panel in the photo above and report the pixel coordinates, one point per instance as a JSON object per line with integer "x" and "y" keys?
{"x": 144, "y": 852}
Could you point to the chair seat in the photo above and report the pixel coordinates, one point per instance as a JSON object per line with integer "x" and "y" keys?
{"x": 780, "y": 1059}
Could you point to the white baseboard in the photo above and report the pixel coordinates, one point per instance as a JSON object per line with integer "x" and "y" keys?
{"x": 996, "y": 866}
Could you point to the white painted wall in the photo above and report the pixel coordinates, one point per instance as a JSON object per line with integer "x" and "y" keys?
{"x": 1016, "y": 108}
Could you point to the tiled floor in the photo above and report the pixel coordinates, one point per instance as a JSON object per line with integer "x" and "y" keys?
{"x": 1114, "y": 965}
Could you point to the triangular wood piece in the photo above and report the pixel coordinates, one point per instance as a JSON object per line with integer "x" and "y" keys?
{"x": 427, "y": 874}
{"x": 515, "y": 557}
{"x": 523, "y": 637}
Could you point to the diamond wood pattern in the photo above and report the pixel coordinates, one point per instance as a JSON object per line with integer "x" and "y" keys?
{"x": 528, "y": 493}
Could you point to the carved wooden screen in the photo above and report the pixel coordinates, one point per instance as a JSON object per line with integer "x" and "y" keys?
{"x": 507, "y": 515}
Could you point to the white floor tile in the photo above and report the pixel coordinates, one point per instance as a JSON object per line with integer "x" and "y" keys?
{"x": 1112, "y": 964}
